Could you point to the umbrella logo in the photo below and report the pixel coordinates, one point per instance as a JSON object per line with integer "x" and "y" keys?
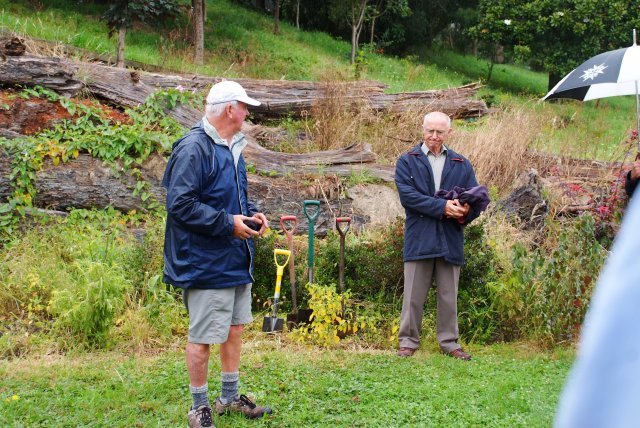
{"x": 593, "y": 72}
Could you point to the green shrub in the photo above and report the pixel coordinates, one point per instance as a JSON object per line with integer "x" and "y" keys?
{"x": 88, "y": 305}
{"x": 476, "y": 317}
{"x": 546, "y": 294}
{"x": 373, "y": 262}
{"x": 87, "y": 280}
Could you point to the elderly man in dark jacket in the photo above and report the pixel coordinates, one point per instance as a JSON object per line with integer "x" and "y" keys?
{"x": 434, "y": 238}
{"x": 208, "y": 249}
{"x": 632, "y": 178}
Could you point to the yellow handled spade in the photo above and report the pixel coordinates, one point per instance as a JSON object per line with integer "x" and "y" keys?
{"x": 273, "y": 323}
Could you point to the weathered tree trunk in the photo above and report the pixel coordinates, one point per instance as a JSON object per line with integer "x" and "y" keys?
{"x": 122, "y": 34}
{"x": 298, "y": 14}
{"x": 57, "y": 74}
{"x": 357, "y": 21}
{"x": 279, "y": 98}
{"x": 198, "y": 31}
{"x": 276, "y": 16}
{"x": 87, "y": 183}
{"x": 372, "y": 29}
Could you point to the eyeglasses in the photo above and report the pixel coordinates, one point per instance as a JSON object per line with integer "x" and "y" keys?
{"x": 438, "y": 132}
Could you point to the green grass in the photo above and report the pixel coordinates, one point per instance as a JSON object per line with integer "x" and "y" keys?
{"x": 511, "y": 78}
{"x": 238, "y": 43}
{"x": 504, "y": 386}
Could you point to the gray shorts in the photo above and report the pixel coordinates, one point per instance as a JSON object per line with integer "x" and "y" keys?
{"x": 212, "y": 312}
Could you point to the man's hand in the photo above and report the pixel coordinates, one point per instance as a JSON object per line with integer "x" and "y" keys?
{"x": 241, "y": 230}
{"x": 635, "y": 170}
{"x": 465, "y": 207}
{"x": 261, "y": 219}
{"x": 454, "y": 209}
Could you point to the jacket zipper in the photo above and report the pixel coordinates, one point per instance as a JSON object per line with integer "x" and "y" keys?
{"x": 242, "y": 212}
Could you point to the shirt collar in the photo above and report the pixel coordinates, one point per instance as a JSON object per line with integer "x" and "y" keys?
{"x": 428, "y": 152}
{"x": 211, "y": 131}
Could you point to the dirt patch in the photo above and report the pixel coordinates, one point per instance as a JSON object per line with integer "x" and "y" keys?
{"x": 380, "y": 203}
{"x": 32, "y": 115}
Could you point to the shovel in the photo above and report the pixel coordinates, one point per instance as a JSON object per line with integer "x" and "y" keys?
{"x": 312, "y": 218}
{"x": 298, "y": 316}
{"x": 273, "y": 323}
{"x": 342, "y": 233}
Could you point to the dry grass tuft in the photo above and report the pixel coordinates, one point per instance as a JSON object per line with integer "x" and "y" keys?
{"x": 499, "y": 146}
{"x": 343, "y": 117}
{"x": 336, "y": 123}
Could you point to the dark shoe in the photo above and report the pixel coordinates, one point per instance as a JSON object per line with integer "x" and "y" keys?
{"x": 200, "y": 417}
{"x": 406, "y": 352}
{"x": 459, "y": 354}
{"x": 242, "y": 405}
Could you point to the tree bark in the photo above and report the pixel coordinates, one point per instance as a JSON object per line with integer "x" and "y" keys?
{"x": 298, "y": 14}
{"x": 373, "y": 26}
{"x": 122, "y": 34}
{"x": 87, "y": 183}
{"x": 356, "y": 21}
{"x": 276, "y": 16}
{"x": 198, "y": 31}
{"x": 57, "y": 74}
{"x": 279, "y": 98}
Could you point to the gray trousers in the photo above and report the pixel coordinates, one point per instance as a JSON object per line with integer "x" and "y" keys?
{"x": 418, "y": 277}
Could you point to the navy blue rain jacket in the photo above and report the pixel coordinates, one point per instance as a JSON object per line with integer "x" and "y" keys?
{"x": 427, "y": 233}
{"x": 204, "y": 191}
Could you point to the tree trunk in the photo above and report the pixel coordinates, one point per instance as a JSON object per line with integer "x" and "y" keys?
{"x": 354, "y": 44}
{"x": 279, "y": 98}
{"x": 122, "y": 33}
{"x": 298, "y": 14}
{"x": 57, "y": 74}
{"x": 373, "y": 26}
{"x": 198, "y": 31}
{"x": 357, "y": 21}
{"x": 276, "y": 16}
{"x": 88, "y": 183}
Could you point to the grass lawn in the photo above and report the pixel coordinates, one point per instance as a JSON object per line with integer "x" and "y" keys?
{"x": 503, "y": 386}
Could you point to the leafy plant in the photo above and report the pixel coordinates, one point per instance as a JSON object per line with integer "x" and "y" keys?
{"x": 364, "y": 277}
{"x": 476, "y": 316}
{"x": 89, "y": 305}
{"x": 546, "y": 296}
{"x": 334, "y": 317}
{"x": 124, "y": 146}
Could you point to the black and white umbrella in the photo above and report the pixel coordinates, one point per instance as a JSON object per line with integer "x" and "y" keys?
{"x": 608, "y": 74}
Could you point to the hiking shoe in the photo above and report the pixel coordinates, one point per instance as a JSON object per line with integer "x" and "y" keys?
{"x": 459, "y": 354}
{"x": 243, "y": 405}
{"x": 406, "y": 352}
{"x": 200, "y": 417}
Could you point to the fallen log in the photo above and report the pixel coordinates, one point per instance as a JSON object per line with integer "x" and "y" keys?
{"x": 57, "y": 74}
{"x": 87, "y": 183}
{"x": 279, "y": 98}
{"x": 31, "y": 115}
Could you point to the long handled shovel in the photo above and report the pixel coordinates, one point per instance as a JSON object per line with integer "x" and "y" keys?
{"x": 292, "y": 270}
{"x": 273, "y": 323}
{"x": 312, "y": 217}
{"x": 298, "y": 316}
{"x": 342, "y": 232}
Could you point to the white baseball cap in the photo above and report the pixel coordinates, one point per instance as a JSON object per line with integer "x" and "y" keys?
{"x": 227, "y": 91}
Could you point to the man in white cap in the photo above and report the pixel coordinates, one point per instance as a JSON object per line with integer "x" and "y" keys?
{"x": 208, "y": 249}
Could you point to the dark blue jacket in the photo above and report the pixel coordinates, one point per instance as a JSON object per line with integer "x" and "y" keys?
{"x": 204, "y": 191}
{"x": 427, "y": 233}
